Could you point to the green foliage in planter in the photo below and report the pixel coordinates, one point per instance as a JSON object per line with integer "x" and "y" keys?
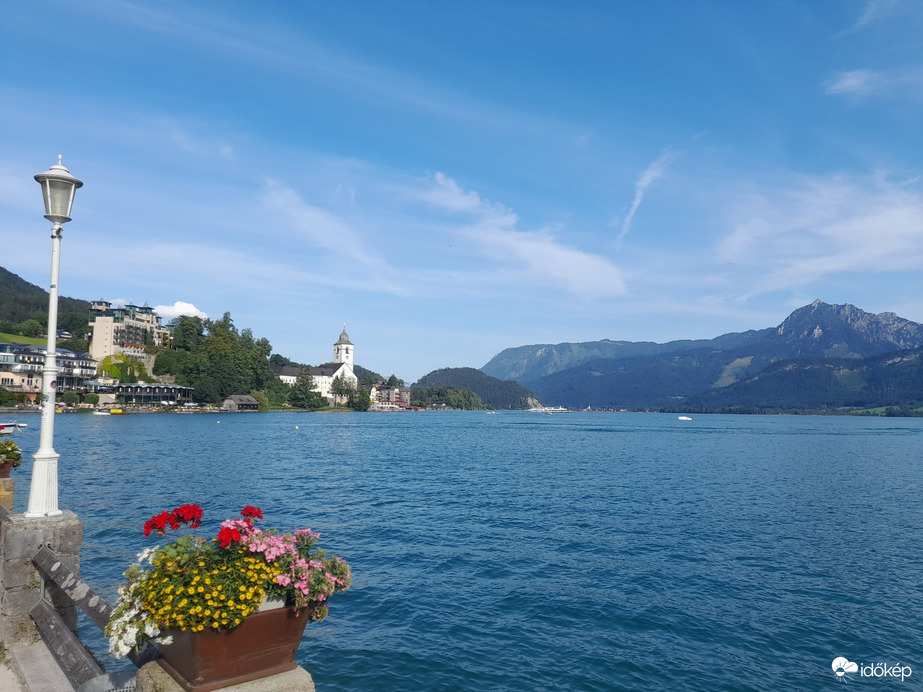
{"x": 9, "y": 451}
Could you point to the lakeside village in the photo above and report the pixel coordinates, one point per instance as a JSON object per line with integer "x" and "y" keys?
{"x": 119, "y": 332}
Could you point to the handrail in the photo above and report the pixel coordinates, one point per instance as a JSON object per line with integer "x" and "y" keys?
{"x": 77, "y": 590}
{"x": 76, "y": 662}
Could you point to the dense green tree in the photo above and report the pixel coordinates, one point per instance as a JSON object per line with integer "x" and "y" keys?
{"x": 394, "y": 381}
{"x": 70, "y": 398}
{"x": 31, "y": 327}
{"x": 216, "y": 359}
{"x": 341, "y": 388}
{"x": 261, "y": 397}
{"x": 92, "y": 398}
{"x": 277, "y": 360}
{"x": 188, "y": 332}
{"x": 304, "y": 395}
{"x": 453, "y": 397}
{"x": 76, "y": 345}
{"x": 277, "y": 392}
{"x": 359, "y": 400}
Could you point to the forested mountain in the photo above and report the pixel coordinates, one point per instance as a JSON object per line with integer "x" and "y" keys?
{"x": 21, "y": 301}
{"x": 889, "y": 380}
{"x": 496, "y": 394}
{"x": 699, "y": 373}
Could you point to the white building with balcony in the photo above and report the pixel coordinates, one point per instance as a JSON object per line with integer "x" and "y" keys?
{"x": 21, "y": 369}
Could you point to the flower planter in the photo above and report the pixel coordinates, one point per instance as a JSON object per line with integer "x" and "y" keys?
{"x": 5, "y": 467}
{"x": 264, "y": 644}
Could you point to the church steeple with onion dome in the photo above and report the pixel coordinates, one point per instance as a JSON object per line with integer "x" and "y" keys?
{"x": 343, "y": 349}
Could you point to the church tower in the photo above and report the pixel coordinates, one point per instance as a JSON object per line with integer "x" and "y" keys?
{"x": 343, "y": 349}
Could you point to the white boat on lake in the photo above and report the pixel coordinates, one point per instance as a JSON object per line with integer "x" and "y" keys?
{"x": 9, "y": 428}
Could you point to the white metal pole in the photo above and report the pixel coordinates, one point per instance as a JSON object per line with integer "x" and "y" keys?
{"x": 43, "y": 492}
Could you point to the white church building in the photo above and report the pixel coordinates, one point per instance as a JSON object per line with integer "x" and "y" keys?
{"x": 326, "y": 373}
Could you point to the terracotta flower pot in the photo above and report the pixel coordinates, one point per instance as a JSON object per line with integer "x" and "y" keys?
{"x": 5, "y": 467}
{"x": 264, "y": 644}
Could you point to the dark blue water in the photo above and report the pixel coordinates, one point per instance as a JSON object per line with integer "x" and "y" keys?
{"x": 521, "y": 551}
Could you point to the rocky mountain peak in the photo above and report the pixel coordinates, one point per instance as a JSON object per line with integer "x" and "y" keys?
{"x": 845, "y": 330}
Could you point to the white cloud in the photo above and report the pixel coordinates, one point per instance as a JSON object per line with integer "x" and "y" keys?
{"x": 860, "y": 82}
{"x": 874, "y": 10}
{"x": 322, "y": 228}
{"x": 652, "y": 173}
{"x": 531, "y": 256}
{"x": 795, "y": 236}
{"x": 178, "y": 309}
{"x": 905, "y": 84}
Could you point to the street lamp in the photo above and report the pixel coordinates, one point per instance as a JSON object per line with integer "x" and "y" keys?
{"x": 58, "y": 188}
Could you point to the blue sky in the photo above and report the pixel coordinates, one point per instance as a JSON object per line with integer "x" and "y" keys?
{"x": 453, "y": 179}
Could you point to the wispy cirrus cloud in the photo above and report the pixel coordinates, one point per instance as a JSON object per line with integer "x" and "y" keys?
{"x": 651, "y": 174}
{"x": 536, "y": 256}
{"x": 905, "y": 84}
{"x": 873, "y": 11}
{"x": 794, "y": 236}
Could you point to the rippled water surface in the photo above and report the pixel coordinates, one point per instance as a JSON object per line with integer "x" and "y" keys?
{"x": 521, "y": 551}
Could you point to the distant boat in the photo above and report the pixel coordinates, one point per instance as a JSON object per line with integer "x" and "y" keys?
{"x": 101, "y": 412}
{"x": 549, "y": 409}
{"x": 10, "y": 428}
{"x": 684, "y": 418}
{"x": 117, "y": 412}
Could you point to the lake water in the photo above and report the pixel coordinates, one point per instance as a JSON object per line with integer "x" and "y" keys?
{"x": 521, "y": 551}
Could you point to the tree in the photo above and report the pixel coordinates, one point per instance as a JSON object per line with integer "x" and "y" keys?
{"x": 70, "y": 398}
{"x": 76, "y": 345}
{"x": 394, "y": 381}
{"x": 92, "y": 398}
{"x": 279, "y": 361}
{"x": 360, "y": 400}
{"x": 303, "y": 394}
{"x": 342, "y": 389}
{"x": 261, "y": 397}
{"x": 31, "y": 328}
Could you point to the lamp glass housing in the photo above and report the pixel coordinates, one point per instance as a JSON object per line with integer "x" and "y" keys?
{"x": 58, "y": 188}
{"x": 59, "y": 198}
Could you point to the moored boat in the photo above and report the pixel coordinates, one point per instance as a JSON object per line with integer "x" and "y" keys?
{"x": 9, "y": 427}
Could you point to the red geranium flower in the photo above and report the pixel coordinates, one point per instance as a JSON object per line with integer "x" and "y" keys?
{"x": 188, "y": 514}
{"x": 251, "y": 512}
{"x": 227, "y": 535}
{"x": 158, "y": 523}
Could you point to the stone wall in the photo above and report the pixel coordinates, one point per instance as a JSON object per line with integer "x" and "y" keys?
{"x": 21, "y": 583}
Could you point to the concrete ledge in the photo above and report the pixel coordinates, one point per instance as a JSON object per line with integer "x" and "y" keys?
{"x": 153, "y": 678}
{"x": 36, "y": 668}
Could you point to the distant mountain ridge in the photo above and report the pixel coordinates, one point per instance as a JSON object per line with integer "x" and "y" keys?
{"x": 693, "y": 372}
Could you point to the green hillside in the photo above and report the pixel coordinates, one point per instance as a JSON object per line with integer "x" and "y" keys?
{"x": 496, "y": 394}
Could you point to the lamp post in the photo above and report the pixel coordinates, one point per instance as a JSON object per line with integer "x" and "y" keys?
{"x": 58, "y": 188}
